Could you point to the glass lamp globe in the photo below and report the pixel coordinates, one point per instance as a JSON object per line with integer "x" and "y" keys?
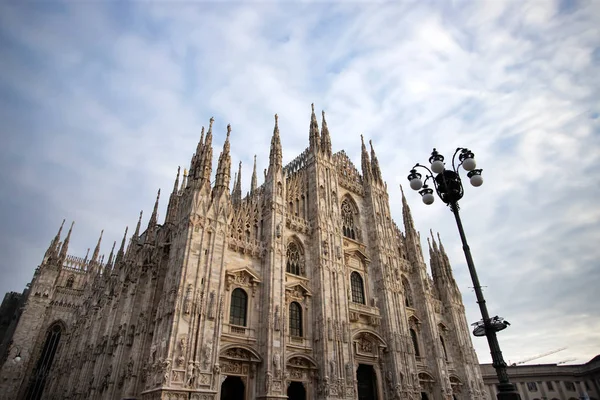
{"x": 437, "y": 166}
{"x": 476, "y": 180}
{"x": 469, "y": 164}
{"x": 416, "y": 184}
{"x": 18, "y": 358}
{"x": 428, "y": 198}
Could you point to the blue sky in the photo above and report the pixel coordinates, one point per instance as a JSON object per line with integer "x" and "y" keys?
{"x": 101, "y": 101}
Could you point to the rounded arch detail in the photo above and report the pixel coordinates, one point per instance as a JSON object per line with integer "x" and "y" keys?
{"x": 361, "y": 332}
{"x": 306, "y": 360}
{"x": 240, "y": 352}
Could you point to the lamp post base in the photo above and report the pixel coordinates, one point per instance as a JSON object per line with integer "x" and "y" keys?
{"x": 507, "y": 391}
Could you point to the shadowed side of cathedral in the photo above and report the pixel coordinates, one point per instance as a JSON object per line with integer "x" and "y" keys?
{"x": 303, "y": 289}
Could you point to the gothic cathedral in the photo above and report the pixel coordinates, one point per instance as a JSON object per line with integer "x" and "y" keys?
{"x": 303, "y": 289}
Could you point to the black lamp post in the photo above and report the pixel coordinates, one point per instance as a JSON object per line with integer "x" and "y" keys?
{"x": 448, "y": 185}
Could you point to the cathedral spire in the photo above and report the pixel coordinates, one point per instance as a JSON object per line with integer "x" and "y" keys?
{"x": 110, "y": 256}
{"x": 65, "y": 246}
{"x": 364, "y": 161}
{"x": 325, "y": 138}
{"x": 184, "y": 181}
{"x": 154, "y": 216}
{"x": 237, "y": 189}
{"x": 253, "y": 181}
{"x": 206, "y": 158}
{"x": 375, "y": 165}
{"x": 85, "y": 259}
{"x": 313, "y": 132}
{"x": 173, "y": 201}
{"x": 224, "y": 167}
{"x": 200, "y": 146}
{"x": 176, "y": 184}
{"x": 53, "y": 248}
{"x": 97, "y": 249}
{"x": 409, "y": 225}
{"x": 136, "y": 234}
{"x": 275, "y": 154}
{"x": 121, "y": 251}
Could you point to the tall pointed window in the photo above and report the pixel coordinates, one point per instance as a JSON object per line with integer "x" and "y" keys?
{"x": 295, "y": 262}
{"x": 349, "y": 227}
{"x": 415, "y": 341}
{"x": 38, "y": 380}
{"x": 444, "y": 348}
{"x": 358, "y": 290}
{"x": 238, "y": 308}
{"x": 408, "y": 298}
{"x": 295, "y": 319}
{"x": 70, "y": 281}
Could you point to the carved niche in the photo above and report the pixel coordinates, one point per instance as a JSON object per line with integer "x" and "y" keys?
{"x": 244, "y": 277}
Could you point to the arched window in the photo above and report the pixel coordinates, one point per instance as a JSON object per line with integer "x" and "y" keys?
{"x": 295, "y": 319}
{"x": 36, "y": 386}
{"x": 413, "y": 336}
{"x": 239, "y": 306}
{"x": 444, "y": 348}
{"x": 358, "y": 290}
{"x": 70, "y": 281}
{"x": 408, "y": 298}
{"x": 349, "y": 223}
{"x": 295, "y": 263}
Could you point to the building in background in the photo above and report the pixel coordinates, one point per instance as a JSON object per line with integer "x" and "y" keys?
{"x": 305, "y": 288}
{"x": 550, "y": 381}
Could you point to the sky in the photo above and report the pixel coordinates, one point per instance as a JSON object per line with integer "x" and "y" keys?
{"x": 100, "y": 102}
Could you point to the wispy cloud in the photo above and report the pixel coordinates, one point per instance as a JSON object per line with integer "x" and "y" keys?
{"x": 100, "y": 102}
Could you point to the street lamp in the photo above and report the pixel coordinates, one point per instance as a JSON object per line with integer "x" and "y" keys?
{"x": 448, "y": 185}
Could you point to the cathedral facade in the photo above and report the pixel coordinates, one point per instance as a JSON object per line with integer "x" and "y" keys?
{"x": 303, "y": 289}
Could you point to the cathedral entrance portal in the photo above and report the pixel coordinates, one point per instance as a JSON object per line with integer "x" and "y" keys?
{"x": 232, "y": 388}
{"x": 367, "y": 382}
{"x": 296, "y": 391}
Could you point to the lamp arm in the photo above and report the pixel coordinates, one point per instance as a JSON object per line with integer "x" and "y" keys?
{"x": 429, "y": 176}
{"x": 454, "y": 158}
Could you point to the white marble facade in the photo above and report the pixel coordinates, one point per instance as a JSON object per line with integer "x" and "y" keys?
{"x": 304, "y": 289}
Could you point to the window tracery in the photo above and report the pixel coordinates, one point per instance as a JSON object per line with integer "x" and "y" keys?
{"x": 295, "y": 262}
{"x": 349, "y": 227}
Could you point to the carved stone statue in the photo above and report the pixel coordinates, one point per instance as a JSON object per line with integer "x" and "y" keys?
{"x": 268, "y": 382}
{"x": 211, "y": 305}
{"x": 333, "y": 369}
{"x": 349, "y": 373}
{"x": 191, "y": 374}
{"x": 206, "y": 354}
{"x": 276, "y": 318}
{"x": 277, "y": 364}
{"x": 187, "y": 304}
{"x": 130, "y": 365}
{"x": 153, "y": 354}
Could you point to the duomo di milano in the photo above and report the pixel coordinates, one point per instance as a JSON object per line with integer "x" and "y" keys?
{"x": 303, "y": 289}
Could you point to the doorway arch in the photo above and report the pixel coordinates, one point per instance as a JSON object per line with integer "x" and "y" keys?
{"x": 366, "y": 382}
{"x": 296, "y": 391}
{"x": 233, "y": 388}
